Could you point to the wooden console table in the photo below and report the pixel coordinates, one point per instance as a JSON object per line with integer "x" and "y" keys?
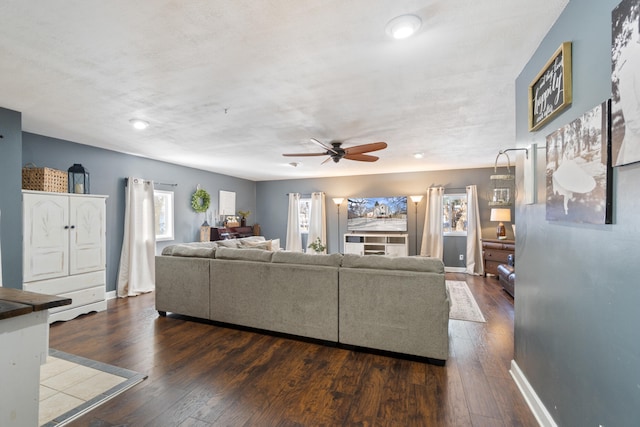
{"x": 230, "y": 233}
{"x": 495, "y": 252}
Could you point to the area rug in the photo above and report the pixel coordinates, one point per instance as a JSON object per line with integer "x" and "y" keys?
{"x": 463, "y": 305}
{"x": 71, "y": 385}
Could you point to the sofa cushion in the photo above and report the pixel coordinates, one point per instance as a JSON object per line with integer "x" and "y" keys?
{"x": 195, "y": 249}
{"x": 244, "y": 254}
{"x": 285, "y": 257}
{"x": 384, "y": 262}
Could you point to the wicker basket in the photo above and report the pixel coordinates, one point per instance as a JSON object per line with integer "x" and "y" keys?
{"x": 44, "y": 179}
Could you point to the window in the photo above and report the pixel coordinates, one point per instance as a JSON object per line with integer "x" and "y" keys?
{"x": 163, "y": 205}
{"x": 454, "y": 215}
{"x": 304, "y": 210}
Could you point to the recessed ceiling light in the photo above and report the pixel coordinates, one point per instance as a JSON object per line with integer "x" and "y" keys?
{"x": 139, "y": 124}
{"x": 403, "y": 26}
{"x": 418, "y": 155}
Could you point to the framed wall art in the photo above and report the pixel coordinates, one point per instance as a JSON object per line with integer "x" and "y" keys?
{"x": 625, "y": 83}
{"x": 227, "y": 203}
{"x": 578, "y": 170}
{"x": 550, "y": 91}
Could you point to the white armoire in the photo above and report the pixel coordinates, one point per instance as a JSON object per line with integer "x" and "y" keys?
{"x": 64, "y": 250}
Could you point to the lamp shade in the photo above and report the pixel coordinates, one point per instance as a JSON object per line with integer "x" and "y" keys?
{"x": 338, "y": 200}
{"x": 416, "y": 199}
{"x": 500, "y": 214}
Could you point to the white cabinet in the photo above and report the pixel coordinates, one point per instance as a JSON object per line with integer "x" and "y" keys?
{"x": 64, "y": 250}
{"x": 376, "y": 244}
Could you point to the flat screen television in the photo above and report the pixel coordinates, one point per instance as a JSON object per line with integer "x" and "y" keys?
{"x": 377, "y": 214}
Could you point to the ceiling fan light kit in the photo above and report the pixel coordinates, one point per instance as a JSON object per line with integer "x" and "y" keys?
{"x": 403, "y": 26}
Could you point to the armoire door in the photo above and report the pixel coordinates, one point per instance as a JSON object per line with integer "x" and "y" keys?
{"x": 86, "y": 234}
{"x": 46, "y": 236}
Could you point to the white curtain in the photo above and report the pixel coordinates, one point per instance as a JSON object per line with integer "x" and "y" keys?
{"x": 432, "y": 240}
{"x": 137, "y": 260}
{"x": 474, "y": 233}
{"x": 294, "y": 238}
{"x": 317, "y": 220}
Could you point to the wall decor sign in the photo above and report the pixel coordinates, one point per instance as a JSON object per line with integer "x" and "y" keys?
{"x": 625, "y": 83}
{"x": 579, "y": 172}
{"x": 550, "y": 90}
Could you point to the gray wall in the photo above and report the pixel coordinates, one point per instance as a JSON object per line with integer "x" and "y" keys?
{"x": 10, "y": 197}
{"x": 107, "y": 172}
{"x": 454, "y": 246}
{"x": 272, "y": 200}
{"x": 577, "y": 297}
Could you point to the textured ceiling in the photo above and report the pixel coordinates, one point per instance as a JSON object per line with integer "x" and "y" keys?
{"x": 228, "y": 86}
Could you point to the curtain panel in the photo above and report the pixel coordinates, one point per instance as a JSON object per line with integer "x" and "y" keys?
{"x": 136, "y": 274}
{"x": 432, "y": 238}
{"x": 475, "y": 263}
{"x": 294, "y": 237}
{"x": 317, "y": 220}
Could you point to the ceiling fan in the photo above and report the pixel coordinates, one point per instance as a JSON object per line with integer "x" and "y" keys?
{"x": 336, "y": 152}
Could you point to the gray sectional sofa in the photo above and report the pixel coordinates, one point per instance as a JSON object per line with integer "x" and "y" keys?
{"x": 392, "y": 304}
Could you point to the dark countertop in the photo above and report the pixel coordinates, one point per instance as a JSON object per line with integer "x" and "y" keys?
{"x": 15, "y": 302}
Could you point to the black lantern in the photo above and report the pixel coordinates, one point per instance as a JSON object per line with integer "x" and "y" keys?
{"x": 78, "y": 179}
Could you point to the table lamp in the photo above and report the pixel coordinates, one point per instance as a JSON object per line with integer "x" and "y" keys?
{"x": 500, "y": 215}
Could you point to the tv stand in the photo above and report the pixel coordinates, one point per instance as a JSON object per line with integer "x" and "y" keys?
{"x": 376, "y": 244}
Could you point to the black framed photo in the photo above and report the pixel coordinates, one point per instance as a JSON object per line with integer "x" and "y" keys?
{"x": 579, "y": 171}
{"x": 625, "y": 83}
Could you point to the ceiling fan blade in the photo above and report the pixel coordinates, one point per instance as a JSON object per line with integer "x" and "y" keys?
{"x": 328, "y": 158}
{"x": 361, "y": 157}
{"x": 304, "y": 154}
{"x": 323, "y": 145}
{"x": 366, "y": 148}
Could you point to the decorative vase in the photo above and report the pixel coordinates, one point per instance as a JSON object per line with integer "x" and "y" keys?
{"x": 243, "y": 222}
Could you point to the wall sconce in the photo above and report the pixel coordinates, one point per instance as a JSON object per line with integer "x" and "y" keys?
{"x": 416, "y": 200}
{"x": 500, "y": 215}
{"x": 338, "y": 201}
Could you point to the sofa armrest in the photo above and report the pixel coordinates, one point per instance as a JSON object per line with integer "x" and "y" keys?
{"x": 182, "y": 285}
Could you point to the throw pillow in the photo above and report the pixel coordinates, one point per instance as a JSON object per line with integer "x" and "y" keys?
{"x": 231, "y": 243}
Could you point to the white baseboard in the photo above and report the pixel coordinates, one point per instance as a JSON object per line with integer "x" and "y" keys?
{"x": 455, "y": 269}
{"x": 111, "y": 295}
{"x": 535, "y": 404}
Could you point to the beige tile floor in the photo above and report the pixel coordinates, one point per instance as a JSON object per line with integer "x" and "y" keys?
{"x": 65, "y": 385}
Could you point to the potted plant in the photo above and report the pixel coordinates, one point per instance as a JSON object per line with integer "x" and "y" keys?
{"x": 243, "y": 217}
{"x": 317, "y": 246}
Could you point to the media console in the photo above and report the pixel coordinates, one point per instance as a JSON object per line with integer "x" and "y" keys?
{"x": 376, "y": 244}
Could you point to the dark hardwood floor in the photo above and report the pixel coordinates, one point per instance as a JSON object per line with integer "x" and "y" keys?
{"x": 205, "y": 375}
